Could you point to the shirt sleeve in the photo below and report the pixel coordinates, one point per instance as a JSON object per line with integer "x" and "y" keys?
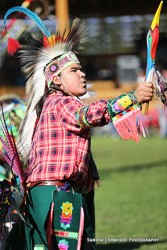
{"x": 76, "y": 117}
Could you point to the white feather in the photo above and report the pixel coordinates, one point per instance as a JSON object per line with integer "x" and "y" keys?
{"x": 35, "y": 88}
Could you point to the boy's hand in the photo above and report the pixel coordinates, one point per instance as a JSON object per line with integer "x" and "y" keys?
{"x": 144, "y": 92}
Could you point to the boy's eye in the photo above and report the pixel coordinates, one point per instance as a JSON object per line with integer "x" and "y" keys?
{"x": 74, "y": 70}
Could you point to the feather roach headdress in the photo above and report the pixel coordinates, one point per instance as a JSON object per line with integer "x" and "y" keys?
{"x": 43, "y": 55}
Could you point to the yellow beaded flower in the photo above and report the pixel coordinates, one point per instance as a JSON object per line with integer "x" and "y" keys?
{"x": 125, "y": 102}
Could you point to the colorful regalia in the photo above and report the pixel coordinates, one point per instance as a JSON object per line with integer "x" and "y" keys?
{"x": 53, "y": 148}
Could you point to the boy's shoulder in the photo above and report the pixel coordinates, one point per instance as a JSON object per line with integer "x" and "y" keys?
{"x": 59, "y": 98}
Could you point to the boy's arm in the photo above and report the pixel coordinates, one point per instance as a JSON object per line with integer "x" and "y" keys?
{"x": 77, "y": 117}
{"x": 102, "y": 112}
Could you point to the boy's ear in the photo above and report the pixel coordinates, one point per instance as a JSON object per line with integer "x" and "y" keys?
{"x": 57, "y": 80}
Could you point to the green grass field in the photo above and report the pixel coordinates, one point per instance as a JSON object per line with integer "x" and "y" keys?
{"x": 131, "y": 202}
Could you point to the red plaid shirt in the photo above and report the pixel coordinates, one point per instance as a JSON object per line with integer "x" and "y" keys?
{"x": 60, "y": 146}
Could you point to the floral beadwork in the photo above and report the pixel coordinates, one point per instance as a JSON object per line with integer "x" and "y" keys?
{"x": 66, "y": 216}
{"x": 124, "y": 102}
{"x": 63, "y": 245}
{"x": 121, "y": 103}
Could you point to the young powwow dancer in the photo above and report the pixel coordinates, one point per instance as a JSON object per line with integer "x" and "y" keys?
{"x": 54, "y": 139}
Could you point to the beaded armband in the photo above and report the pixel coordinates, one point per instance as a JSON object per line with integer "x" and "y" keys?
{"x": 81, "y": 117}
{"x": 121, "y": 103}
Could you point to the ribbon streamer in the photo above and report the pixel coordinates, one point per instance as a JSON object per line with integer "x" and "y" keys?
{"x": 152, "y": 42}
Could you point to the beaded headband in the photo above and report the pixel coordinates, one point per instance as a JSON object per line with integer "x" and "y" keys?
{"x": 58, "y": 65}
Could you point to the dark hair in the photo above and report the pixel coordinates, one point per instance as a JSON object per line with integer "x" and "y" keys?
{"x": 53, "y": 88}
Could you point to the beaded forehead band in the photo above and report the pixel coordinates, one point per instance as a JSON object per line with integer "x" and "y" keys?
{"x": 57, "y": 65}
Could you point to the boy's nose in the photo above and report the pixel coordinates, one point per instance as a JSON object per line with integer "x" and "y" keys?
{"x": 83, "y": 74}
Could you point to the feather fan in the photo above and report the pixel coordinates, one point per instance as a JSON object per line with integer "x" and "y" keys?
{"x": 9, "y": 151}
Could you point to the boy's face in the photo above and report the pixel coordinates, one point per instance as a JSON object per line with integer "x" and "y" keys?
{"x": 74, "y": 80}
